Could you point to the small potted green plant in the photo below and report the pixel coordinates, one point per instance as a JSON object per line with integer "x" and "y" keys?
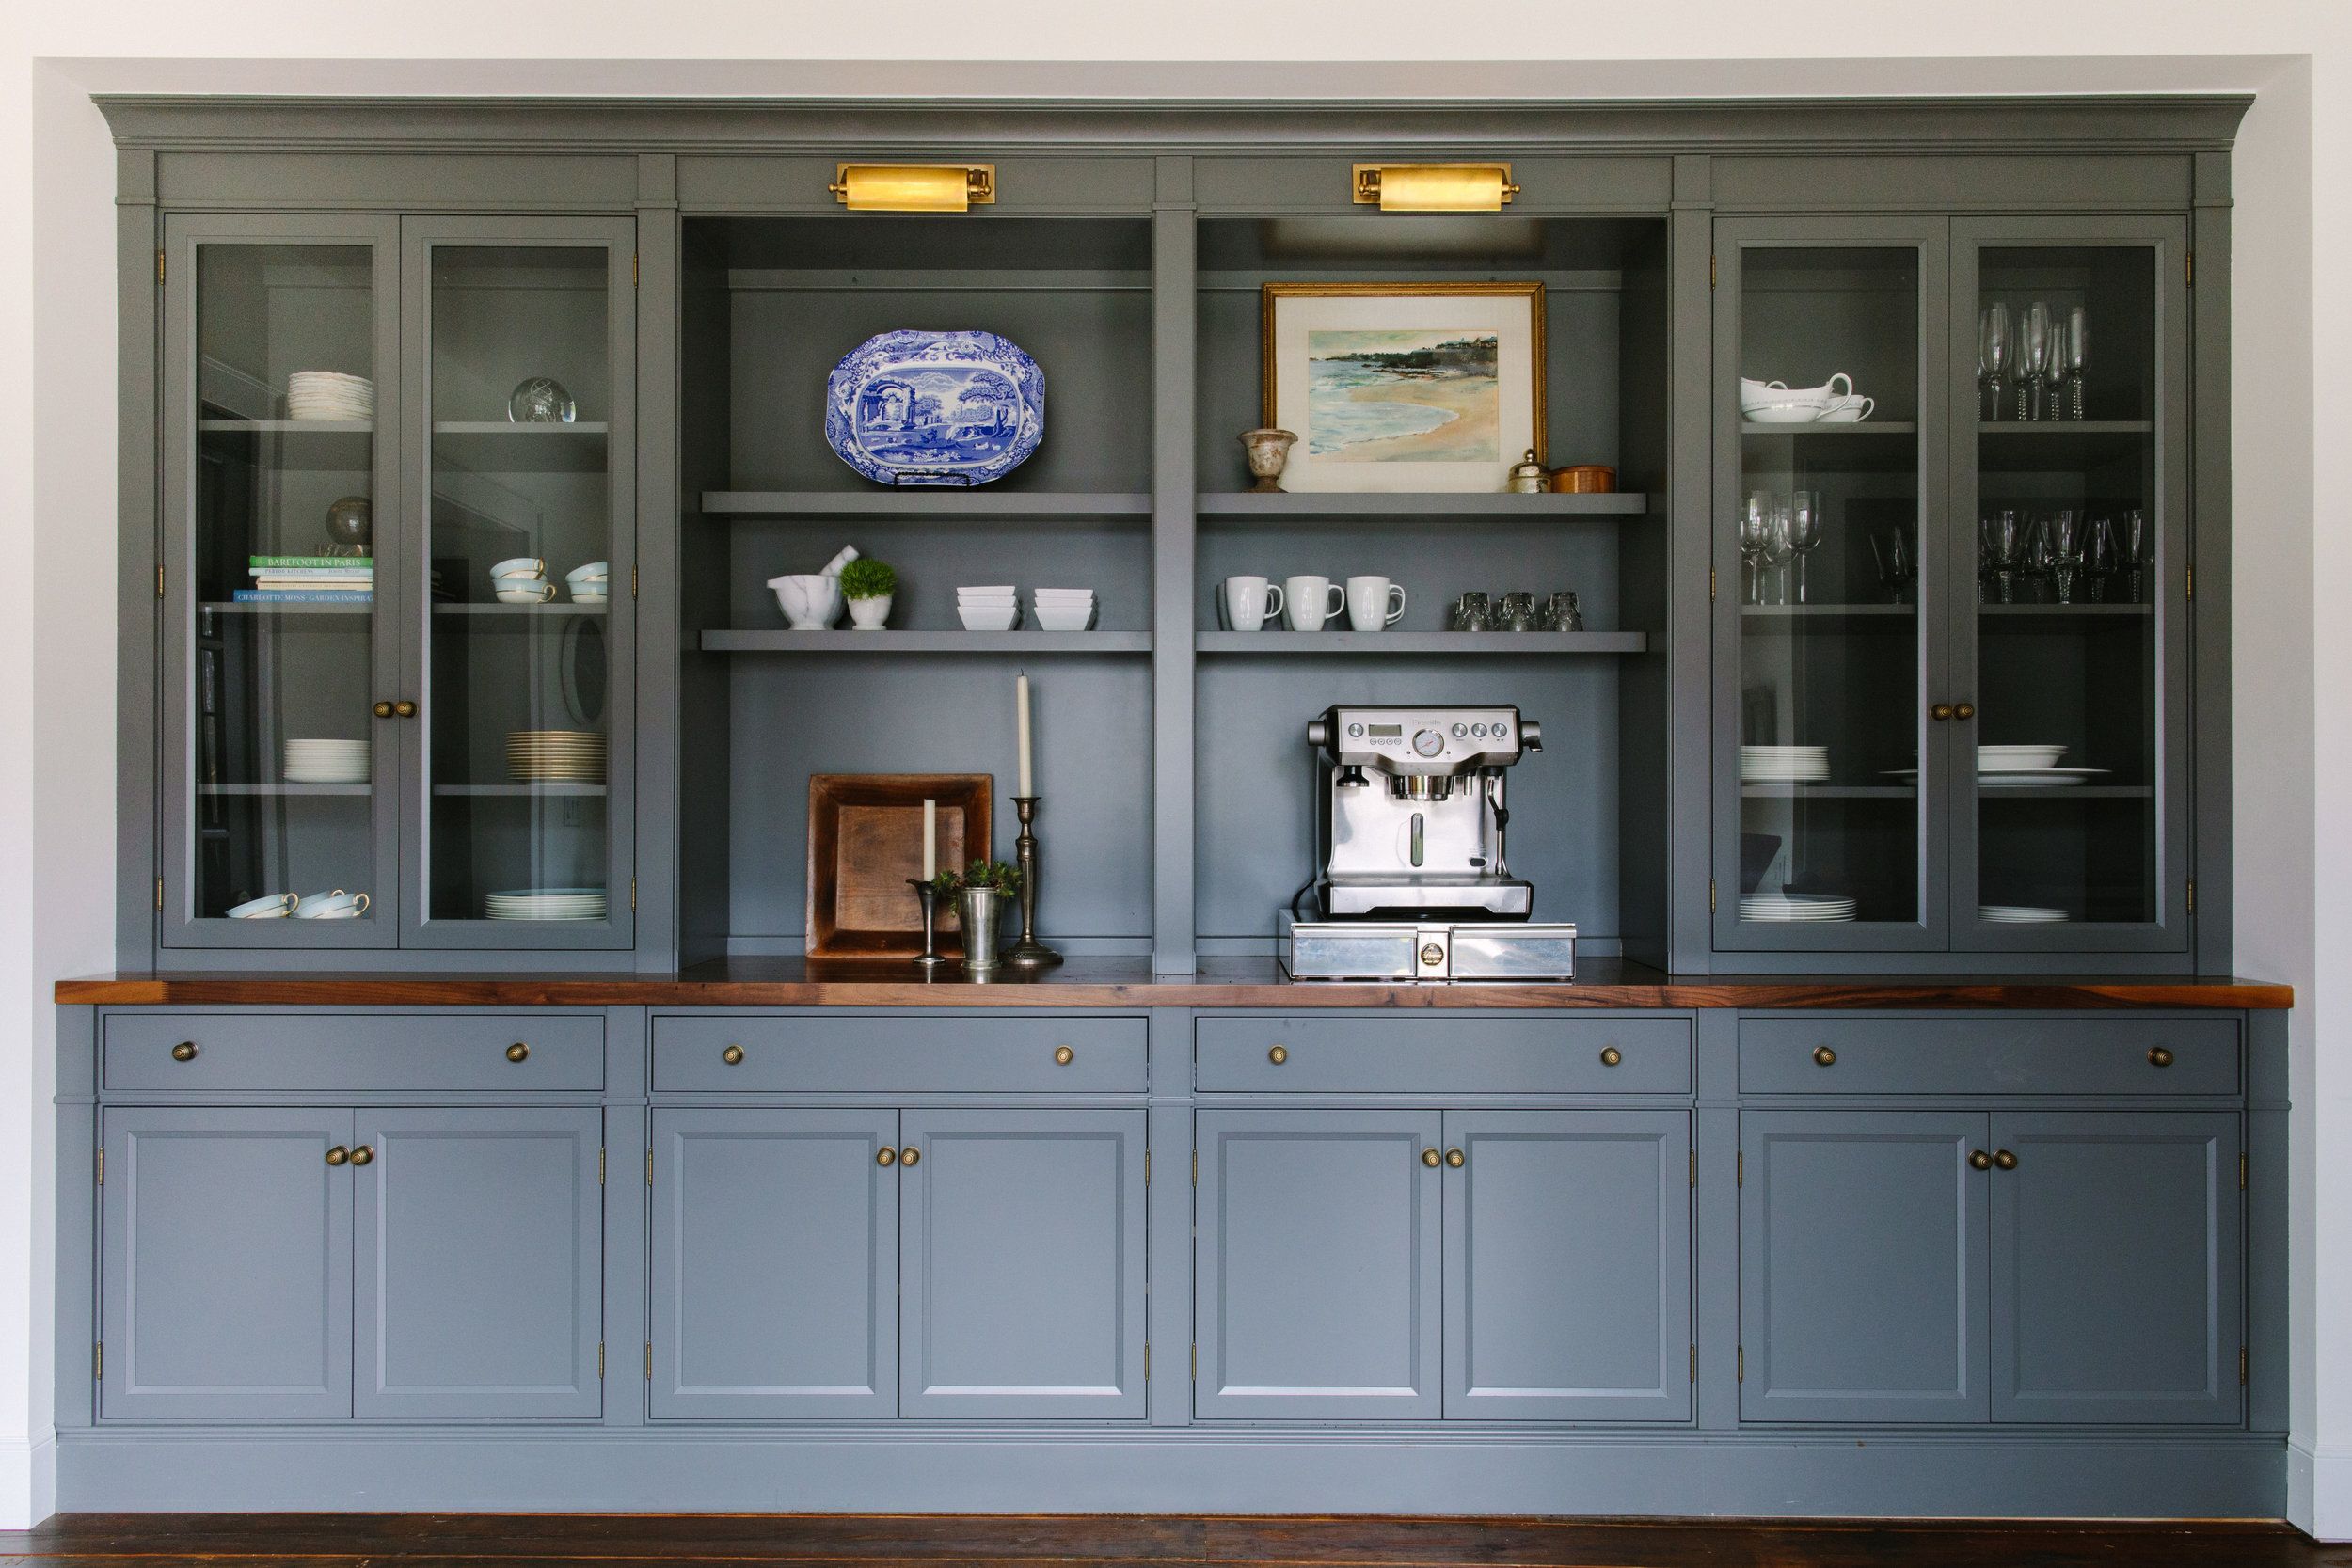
{"x": 869, "y": 585}
{"x": 982, "y": 888}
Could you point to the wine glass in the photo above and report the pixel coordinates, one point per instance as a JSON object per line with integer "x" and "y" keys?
{"x": 2033, "y": 354}
{"x": 2077, "y": 358}
{"x": 1779, "y": 549}
{"x": 2002, "y": 539}
{"x": 2062, "y": 532}
{"x": 1994, "y": 351}
{"x": 2038, "y": 560}
{"x": 1891, "y": 550}
{"x": 1804, "y": 530}
{"x": 2137, "y": 550}
{"x": 1755, "y": 523}
{"x": 2099, "y": 559}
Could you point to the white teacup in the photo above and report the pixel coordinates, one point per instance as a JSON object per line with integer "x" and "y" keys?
{"x": 274, "y": 906}
{"x": 525, "y": 590}
{"x": 337, "y": 905}
{"x": 599, "y": 570}
{"x": 1310, "y": 601}
{"x": 1250, "y": 602}
{"x": 521, "y": 566}
{"x": 1850, "y": 409}
{"x": 1374, "y": 603}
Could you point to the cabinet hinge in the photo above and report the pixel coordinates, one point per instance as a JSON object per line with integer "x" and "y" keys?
{"x": 649, "y": 1361}
{"x": 632, "y": 895}
{"x": 159, "y": 265}
{"x": 1710, "y": 896}
{"x": 632, "y": 269}
{"x": 1740, "y": 1168}
{"x": 159, "y": 582}
{"x": 2192, "y": 895}
{"x": 2189, "y": 268}
{"x": 1695, "y": 1167}
{"x": 2241, "y": 1364}
{"x": 1147, "y": 1361}
{"x": 1710, "y": 585}
{"x": 1710, "y": 272}
{"x": 98, "y": 1360}
{"x": 1694, "y": 1363}
{"x": 1147, "y": 1170}
{"x": 1196, "y": 1167}
{"x": 159, "y": 895}
{"x": 1743, "y": 1368}
{"x": 102, "y": 1167}
{"x": 2241, "y": 1168}
{"x": 601, "y": 1361}
{"x": 632, "y": 583}
{"x": 599, "y": 1166}
{"x": 2192, "y": 582}
{"x": 1195, "y": 1363}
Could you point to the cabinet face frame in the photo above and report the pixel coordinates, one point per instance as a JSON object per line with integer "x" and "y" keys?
{"x": 2167, "y": 241}
{"x": 185, "y": 234}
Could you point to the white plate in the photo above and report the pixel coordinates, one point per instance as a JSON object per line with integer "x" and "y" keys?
{"x": 2037, "y": 778}
{"x": 1784, "y": 413}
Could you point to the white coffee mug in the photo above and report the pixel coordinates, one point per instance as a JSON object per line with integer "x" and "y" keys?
{"x": 1250, "y": 603}
{"x": 1374, "y": 603}
{"x": 1310, "y": 601}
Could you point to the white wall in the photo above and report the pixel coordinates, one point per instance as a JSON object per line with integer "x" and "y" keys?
{"x": 2293, "y": 173}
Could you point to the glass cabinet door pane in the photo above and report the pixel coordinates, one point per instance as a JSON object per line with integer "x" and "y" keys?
{"x": 521, "y": 403}
{"x": 2069, "y": 584}
{"x": 1826, "y": 524}
{"x": 281, "y": 640}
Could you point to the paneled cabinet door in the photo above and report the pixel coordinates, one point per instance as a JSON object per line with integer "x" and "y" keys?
{"x": 1861, "y": 1266}
{"x": 225, "y": 1263}
{"x": 1317, "y": 1264}
{"x": 479, "y": 1261}
{"x": 775, "y": 1263}
{"x": 2117, "y": 1262}
{"x": 1567, "y": 1265}
{"x": 1022, "y": 1263}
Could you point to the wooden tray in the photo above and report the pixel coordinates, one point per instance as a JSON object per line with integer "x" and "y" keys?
{"x": 865, "y": 839}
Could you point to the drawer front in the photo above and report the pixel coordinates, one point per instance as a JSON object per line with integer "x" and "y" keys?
{"x": 1327, "y": 1054}
{"x": 930, "y": 1054}
{"x": 1988, "y": 1055}
{"x": 353, "y": 1053}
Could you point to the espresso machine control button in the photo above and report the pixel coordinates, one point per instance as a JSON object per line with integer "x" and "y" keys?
{"x": 1355, "y": 732}
{"x": 1429, "y": 743}
{"x": 1501, "y": 732}
{"x": 1459, "y": 732}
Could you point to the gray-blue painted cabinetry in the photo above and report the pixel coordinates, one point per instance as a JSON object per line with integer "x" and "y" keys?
{"x": 874, "y": 1263}
{"x": 326, "y": 1262}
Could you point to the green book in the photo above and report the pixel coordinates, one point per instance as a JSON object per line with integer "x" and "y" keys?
{"x": 357, "y": 563}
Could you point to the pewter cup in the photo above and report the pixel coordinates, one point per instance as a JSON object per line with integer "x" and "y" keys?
{"x": 980, "y": 907}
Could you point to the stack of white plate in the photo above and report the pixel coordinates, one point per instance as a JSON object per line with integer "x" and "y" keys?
{"x": 995, "y": 608}
{"x": 546, "y": 903}
{"x": 2019, "y": 915}
{"x": 1062, "y": 609}
{"x": 1795, "y": 907}
{"x": 2029, "y": 767}
{"x": 1784, "y": 763}
{"x": 556, "y": 756}
{"x": 329, "y": 395}
{"x": 327, "y": 761}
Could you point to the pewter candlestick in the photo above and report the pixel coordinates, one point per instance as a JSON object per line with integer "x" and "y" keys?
{"x": 1029, "y": 952}
{"x": 927, "y": 896}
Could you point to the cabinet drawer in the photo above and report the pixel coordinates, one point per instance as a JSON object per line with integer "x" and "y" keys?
{"x": 353, "y": 1053}
{"x": 1988, "y": 1055}
{"x": 931, "y": 1055}
{"x": 1444, "y": 1056}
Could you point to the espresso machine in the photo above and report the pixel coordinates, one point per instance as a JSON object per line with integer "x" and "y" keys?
{"x": 1411, "y": 878}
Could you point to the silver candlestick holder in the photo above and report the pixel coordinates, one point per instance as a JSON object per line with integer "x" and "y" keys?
{"x": 1029, "y": 952}
{"x": 927, "y": 896}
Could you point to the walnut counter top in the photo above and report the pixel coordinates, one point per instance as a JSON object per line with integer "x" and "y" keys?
{"x": 1124, "y": 982}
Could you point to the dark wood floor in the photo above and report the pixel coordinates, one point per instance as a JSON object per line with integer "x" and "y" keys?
{"x": 641, "y": 1541}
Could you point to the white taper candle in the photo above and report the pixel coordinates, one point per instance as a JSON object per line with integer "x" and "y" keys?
{"x": 930, "y": 839}
{"x": 1021, "y": 707}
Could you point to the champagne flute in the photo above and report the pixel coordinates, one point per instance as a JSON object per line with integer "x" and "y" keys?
{"x": 2136, "y": 552}
{"x": 1896, "y": 571}
{"x": 1995, "y": 350}
{"x": 1755, "y": 523}
{"x": 2004, "y": 540}
{"x": 2099, "y": 563}
{"x": 2077, "y": 358}
{"x": 2040, "y": 561}
{"x": 2033, "y": 346}
{"x": 2063, "y": 533}
{"x": 1778, "y": 549}
{"x": 1804, "y": 531}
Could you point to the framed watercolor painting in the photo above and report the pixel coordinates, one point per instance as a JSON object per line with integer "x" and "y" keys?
{"x": 1393, "y": 387}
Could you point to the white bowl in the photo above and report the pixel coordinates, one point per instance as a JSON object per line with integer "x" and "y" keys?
{"x": 1065, "y": 618}
{"x": 986, "y": 601}
{"x": 811, "y": 601}
{"x": 2017, "y": 759}
{"x": 977, "y": 618}
{"x": 1783, "y": 413}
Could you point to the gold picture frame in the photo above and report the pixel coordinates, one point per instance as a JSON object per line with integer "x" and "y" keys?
{"x": 1487, "y": 387}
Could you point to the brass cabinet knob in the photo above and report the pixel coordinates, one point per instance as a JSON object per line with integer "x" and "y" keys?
{"x": 2004, "y": 1159}
{"x": 1611, "y": 1055}
{"x": 383, "y": 710}
{"x": 184, "y": 1051}
{"x": 519, "y": 1051}
{"x": 1979, "y": 1159}
{"x": 1963, "y": 711}
{"x": 1063, "y": 1056}
{"x": 1940, "y": 711}
{"x": 337, "y": 1155}
{"x": 1456, "y": 1158}
{"x": 362, "y": 1155}
{"x": 404, "y": 709}
{"x": 1430, "y": 1157}
{"x": 910, "y": 1156}
{"x": 1278, "y": 1056}
{"x": 732, "y": 1056}
{"x": 1824, "y": 1057}
{"x": 2159, "y": 1057}
{"x": 887, "y": 1156}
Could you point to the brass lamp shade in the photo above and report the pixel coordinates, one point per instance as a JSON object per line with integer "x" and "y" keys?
{"x": 914, "y": 187}
{"x": 1435, "y": 187}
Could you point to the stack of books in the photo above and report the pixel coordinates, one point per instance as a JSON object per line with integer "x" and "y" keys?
{"x": 310, "y": 579}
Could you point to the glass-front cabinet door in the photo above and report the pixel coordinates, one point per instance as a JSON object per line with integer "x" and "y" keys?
{"x": 520, "y": 439}
{"x": 2069, "y": 769}
{"x": 1830, "y": 477}
{"x": 280, "y": 560}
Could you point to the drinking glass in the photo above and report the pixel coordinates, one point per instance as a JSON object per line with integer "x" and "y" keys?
{"x": 2077, "y": 358}
{"x": 2062, "y": 531}
{"x": 2054, "y": 372}
{"x": 1898, "y": 571}
{"x": 1471, "y": 614}
{"x": 1804, "y": 530}
{"x": 1562, "y": 613}
{"x": 2136, "y": 551}
{"x": 1754, "y": 524}
{"x": 1996, "y": 350}
{"x": 1519, "y": 612}
{"x": 2039, "y": 562}
{"x": 1779, "y": 549}
{"x": 2099, "y": 559}
{"x": 2033, "y": 351}
{"x": 2001, "y": 538}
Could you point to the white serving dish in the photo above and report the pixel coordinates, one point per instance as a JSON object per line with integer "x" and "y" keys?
{"x": 989, "y": 618}
{"x": 2011, "y": 759}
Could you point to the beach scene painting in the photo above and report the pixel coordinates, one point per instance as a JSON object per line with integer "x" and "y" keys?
{"x": 1404, "y": 396}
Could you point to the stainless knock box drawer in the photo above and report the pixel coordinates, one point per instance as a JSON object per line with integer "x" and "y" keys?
{"x": 1352, "y": 1054}
{"x": 355, "y": 1052}
{"x": 1988, "y": 1055}
{"x": 900, "y": 1055}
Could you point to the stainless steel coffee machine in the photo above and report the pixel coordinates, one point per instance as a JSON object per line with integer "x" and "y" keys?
{"x": 1411, "y": 880}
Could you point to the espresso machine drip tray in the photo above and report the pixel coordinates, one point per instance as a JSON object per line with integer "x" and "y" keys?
{"x": 1425, "y": 951}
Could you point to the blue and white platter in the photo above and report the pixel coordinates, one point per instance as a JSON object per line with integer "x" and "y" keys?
{"x": 913, "y": 408}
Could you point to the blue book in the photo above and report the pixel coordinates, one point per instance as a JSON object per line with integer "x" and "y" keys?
{"x": 305, "y": 595}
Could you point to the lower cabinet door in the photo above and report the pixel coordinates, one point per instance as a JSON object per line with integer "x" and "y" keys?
{"x": 479, "y": 1262}
{"x": 1316, "y": 1265}
{"x": 1861, "y": 1266}
{"x": 775, "y": 1264}
{"x": 1022, "y": 1263}
{"x": 225, "y": 1243}
{"x": 1567, "y": 1265}
{"x": 2117, "y": 1262}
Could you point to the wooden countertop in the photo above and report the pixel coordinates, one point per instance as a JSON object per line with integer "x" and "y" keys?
{"x": 1129, "y": 983}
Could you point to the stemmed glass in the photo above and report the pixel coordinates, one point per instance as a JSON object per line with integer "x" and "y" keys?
{"x": 1779, "y": 548}
{"x": 2099, "y": 559}
{"x": 1804, "y": 530}
{"x": 2063, "y": 536}
{"x": 2077, "y": 358}
{"x": 1896, "y": 570}
{"x": 2133, "y": 543}
{"x": 2002, "y": 541}
{"x": 1754, "y": 525}
{"x": 2033, "y": 355}
{"x": 1993, "y": 351}
{"x": 2039, "y": 562}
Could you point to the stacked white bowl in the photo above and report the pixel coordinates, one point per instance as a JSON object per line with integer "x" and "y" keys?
{"x": 546, "y": 903}
{"x": 329, "y": 395}
{"x": 590, "y": 584}
{"x": 1784, "y": 763}
{"x": 521, "y": 580}
{"x": 321, "y": 761}
{"x": 989, "y": 609}
{"x": 1062, "y": 609}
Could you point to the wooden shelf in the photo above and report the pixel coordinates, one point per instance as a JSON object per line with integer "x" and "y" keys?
{"x": 1289, "y": 505}
{"x": 927, "y": 504}
{"x": 1014, "y": 643}
{"x": 1419, "y": 644}
{"x": 280, "y": 790}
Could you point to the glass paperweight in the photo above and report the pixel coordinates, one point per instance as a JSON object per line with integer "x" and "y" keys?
{"x": 541, "y": 400}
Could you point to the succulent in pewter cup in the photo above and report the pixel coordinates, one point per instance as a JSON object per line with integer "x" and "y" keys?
{"x": 869, "y": 585}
